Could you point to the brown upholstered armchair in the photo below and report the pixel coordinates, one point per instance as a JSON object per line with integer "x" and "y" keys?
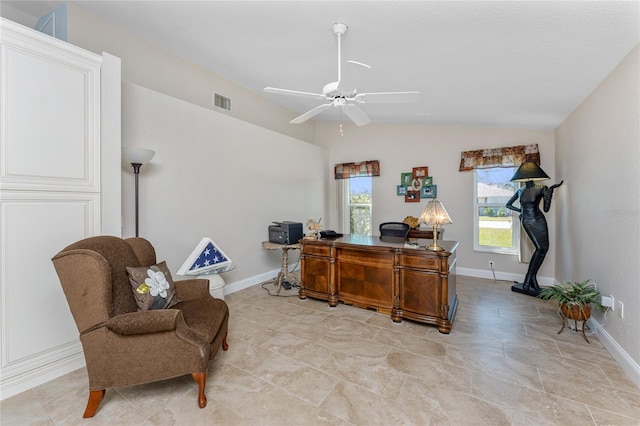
{"x": 122, "y": 345}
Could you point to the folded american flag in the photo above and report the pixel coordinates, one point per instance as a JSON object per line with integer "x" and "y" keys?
{"x": 206, "y": 257}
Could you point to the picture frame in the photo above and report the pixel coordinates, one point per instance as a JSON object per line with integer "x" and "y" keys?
{"x": 427, "y": 180}
{"x": 412, "y": 196}
{"x": 429, "y": 191}
{"x": 401, "y": 190}
{"x": 406, "y": 179}
{"x": 420, "y": 172}
{"x": 416, "y": 184}
{"x": 207, "y": 257}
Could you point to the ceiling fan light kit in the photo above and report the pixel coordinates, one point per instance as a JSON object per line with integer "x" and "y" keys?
{"x": 342, "y": 94}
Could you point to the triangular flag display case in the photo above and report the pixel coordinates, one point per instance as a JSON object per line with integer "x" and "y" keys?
{"x": 207, "y": 257}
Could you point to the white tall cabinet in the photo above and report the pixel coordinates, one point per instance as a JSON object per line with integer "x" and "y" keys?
{"x": 50, "y": 196}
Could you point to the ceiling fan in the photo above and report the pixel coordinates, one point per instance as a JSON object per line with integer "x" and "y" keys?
{"x": 343, "y": 94}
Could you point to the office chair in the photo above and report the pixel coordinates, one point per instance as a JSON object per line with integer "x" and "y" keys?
{"x": 394, "y": 229}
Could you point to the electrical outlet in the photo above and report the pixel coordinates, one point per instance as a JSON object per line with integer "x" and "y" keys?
{"x": 620, "y": 309}
{"x": 607, "y": 302}
{"x": 491, "y": 264}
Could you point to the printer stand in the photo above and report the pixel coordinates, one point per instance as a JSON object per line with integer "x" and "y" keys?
{"x": 284, "y": 275}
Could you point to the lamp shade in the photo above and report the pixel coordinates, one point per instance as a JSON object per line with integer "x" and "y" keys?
{"x": 133, "y": 155}
{"x": 529, "y": 171}
{"x": 434, "y": 213}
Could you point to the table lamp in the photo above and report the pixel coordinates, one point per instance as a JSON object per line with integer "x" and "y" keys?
{"x": 136, "y": 157}
{"x": 435, "y": 214}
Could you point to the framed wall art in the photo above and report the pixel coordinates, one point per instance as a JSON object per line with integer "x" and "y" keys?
{"x": 429, "y": 191}
{"x": 427, "y": 180}
{"x": 401, "y": 190}
{"x": 412, "y": 196}
{"x": 406, "y": 179}
{"x": 416, "y": 184}
{"x": 420, "y": 172}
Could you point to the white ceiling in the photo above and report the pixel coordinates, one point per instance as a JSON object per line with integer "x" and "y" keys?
{"x": 505, "y": 63}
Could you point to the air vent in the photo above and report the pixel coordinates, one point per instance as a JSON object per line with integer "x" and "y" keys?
{"x": 222, "y": 101}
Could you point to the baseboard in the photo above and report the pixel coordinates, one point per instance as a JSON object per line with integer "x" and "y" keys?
{"x": 628, "y": 364}
{"x": 501, "y": 276}
{"x": 34, "y": 371}
{"x": 250, "y": 282}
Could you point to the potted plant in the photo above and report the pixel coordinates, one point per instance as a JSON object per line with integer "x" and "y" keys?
{"x": 575, "y": 300}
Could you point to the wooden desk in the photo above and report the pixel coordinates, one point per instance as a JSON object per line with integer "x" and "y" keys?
{"x": 424, "y": 233}
{"x": 381, "y": 273}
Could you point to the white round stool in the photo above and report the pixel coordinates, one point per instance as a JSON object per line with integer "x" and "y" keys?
{"x": 216, "y": 285}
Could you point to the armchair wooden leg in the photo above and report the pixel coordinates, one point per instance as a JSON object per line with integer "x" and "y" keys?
{"x": 201, "y": 380}
{"x": 95, "y": 397}
{"x": 225, "y": 345}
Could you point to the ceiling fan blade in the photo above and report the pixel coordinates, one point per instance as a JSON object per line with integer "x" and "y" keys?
{"x": 387, "y": 97}
{"x": 295, "y": 93}
{"x": 312, "y": 113}
{"x": 353, "y": 73}
{"x": 356, "y": 115}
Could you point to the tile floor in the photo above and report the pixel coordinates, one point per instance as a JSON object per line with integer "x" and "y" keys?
{"x": 293, "y": 362}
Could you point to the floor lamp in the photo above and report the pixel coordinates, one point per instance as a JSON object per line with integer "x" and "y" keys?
{"x": 532, "y": 220}
{"x": 136, "y": 157}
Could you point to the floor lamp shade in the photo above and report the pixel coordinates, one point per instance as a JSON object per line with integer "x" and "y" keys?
{"x": 529, "y": 171}
{"x": 136, "y": 157}
{"x": 133, "y": 155}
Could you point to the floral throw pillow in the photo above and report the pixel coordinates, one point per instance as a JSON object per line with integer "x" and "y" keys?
{"x": 152, "y": 287}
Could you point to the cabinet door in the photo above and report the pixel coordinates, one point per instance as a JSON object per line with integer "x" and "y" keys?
{"x": 365, "y": 277}
{"x": 420, "y": 292}
{"x": 315, "y": 274}
{"x": 36, "y": 316}
{"x": 50, "y": 114}
{"x": 50, "y": 196}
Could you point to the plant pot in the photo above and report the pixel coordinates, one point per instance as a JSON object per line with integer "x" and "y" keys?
{"x": 576, "y": 313}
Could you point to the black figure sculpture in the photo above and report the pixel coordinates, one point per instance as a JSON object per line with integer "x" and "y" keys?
{"x": 532, "y": 219}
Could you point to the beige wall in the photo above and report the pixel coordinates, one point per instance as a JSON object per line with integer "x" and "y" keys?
{"x": 598, "y": 212}
{"x": 400, "y": 147}
{"x": 146, "y": 64}
{"x": 218, "y": 177}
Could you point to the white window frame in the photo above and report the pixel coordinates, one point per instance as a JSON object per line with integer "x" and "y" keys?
{"x": 515, "y": 225}
{"x": 343, "y": 191}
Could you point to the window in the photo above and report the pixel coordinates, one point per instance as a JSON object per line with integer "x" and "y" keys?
{"x": 356, "y": 205}
{"x": 495, "y": 228}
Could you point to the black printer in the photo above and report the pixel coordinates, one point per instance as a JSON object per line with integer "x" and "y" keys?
{"x": 285, "y": 232}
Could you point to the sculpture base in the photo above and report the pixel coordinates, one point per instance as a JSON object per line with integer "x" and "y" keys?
{"x": 519, "y": 288}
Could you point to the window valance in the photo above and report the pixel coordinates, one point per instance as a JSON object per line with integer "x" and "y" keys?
{"x": 363, "y": 168}
{"x": 510, "y": 156}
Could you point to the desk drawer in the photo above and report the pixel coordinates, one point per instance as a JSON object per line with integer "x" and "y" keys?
{"x": 420, "y": 262}
{"x": 316, "y": 250}
{"x": 365, "y": 257}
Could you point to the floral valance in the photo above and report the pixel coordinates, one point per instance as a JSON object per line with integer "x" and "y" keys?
{"x": 363, "y": 168}
{"x": 510, "y": 156}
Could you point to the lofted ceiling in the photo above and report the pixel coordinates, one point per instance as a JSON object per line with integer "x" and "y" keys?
{"x": 479, "y": 63}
